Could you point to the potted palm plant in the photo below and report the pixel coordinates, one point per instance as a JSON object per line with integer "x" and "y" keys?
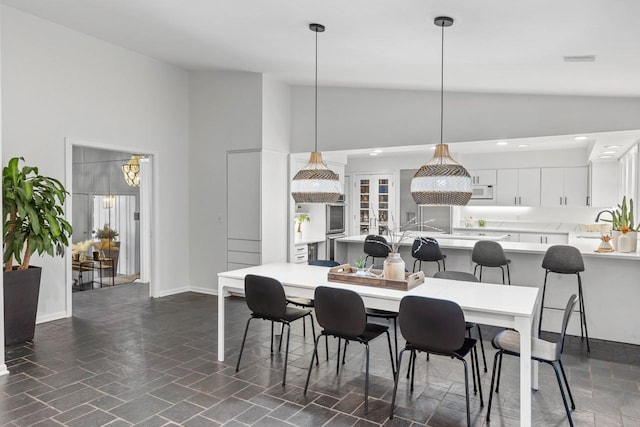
{"x": 34, "y": 221}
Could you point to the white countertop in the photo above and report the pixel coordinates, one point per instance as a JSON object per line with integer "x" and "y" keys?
{"x": 585, "y": 246}
{"x": 511, "y": 229}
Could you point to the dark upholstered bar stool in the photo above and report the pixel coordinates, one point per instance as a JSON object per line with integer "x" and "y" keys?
{"x": 563, "y": 259}
{"x": 341, "y": 314}
{"x": 428, "y": 250}
{"x": 487, "y": 253}
{"x": 376, "y": 247}
{"x": 437, "y": 327}
{"x": 266, "y": 300}
{"x": 508, "y": 342}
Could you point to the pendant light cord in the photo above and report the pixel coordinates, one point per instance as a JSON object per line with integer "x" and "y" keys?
{"x": 316, "y": 96}
{"x": 442, "y": 87}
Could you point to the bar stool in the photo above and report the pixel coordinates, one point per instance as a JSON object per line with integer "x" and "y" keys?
{"x": 487, "y": 253}
{"x": 563, "y": 259}
{"x": 376, "y": 247}
{"x": 428, "y": 250}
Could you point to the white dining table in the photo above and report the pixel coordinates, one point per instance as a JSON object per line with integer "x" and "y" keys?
{"x": 484, "y": 303}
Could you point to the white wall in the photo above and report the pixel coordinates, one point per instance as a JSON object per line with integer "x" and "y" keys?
{"x": 225, "y": 113}
{"x": 365, "y": 118}
{"x": 276, "y": 115}
{"x": 58, "y": 83}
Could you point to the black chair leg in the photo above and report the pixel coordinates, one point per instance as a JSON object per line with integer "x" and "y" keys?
{"x": 271, "y": 337}
{"x": 502, "y": 270}
{"x": 414, "y": 265}
{"x": 344, "y": 352}
{"x": 583, "y": 313}
{"x": 477, "y": 367}
{"x": 466, "y": 389}
{"x": 326, "y": 345}
{"x": 508, "y": 275}
{"x": 413, "y": 369}
{"x": 242, "y": 346}
{"x": 395, "y": 383}
{"x": 493, "y": 379}
{"x": 475, "y": 268}
{"x": 544, "y": 290}
{"x": 304, "y": 327}
{"x": 409, "y": 365}
{"x": 484, "y": 357}
{"x": 281, "y": 334}
{"x": 338, "y": 358}
{"x": 499, "y": 372}
{"x": 366, "y": 382}
{"x": 313, "y": 331}
{"x": 315, "y": 353}
{"x": 564, "y": 397}
{"x": 393, "y": 364}
{"x": 395, "y": 337}
{"x": 444, "y": 265}
{"x": 473, "y": 373}
{"x": 286, "y": 354}
{"x": 573, "y": 405}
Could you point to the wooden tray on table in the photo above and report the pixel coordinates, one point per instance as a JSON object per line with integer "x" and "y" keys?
{"x": 347, "y": 274}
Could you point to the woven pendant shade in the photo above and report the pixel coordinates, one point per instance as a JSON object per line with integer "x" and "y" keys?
{"x": 441, "y": 181}
{"x": 315, "y": 183}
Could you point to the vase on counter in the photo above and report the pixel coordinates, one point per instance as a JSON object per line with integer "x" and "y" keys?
{"x": 393, "y": 268}
{"x": 627, "y": 242}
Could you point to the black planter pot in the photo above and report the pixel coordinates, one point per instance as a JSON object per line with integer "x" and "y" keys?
{"x": 21, "y": 290}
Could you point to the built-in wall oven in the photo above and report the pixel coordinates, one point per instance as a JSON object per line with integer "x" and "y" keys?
{"x": 335, "y": 218}
{"x": 335, "y": 227}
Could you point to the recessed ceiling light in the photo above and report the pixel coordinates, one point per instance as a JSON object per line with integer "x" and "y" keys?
{"x": 378, "y": 151}
{"x": 581, "y": 138}
{"x": 501, "y": 143}
{"x": 609, "y": 152}
{"x": 523, "y": 145}
{"x": 612, "y": 146}
{"x": 606, "y": 157}
{"x": 373, "y": 154}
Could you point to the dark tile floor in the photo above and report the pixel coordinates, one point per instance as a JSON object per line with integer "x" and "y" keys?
{"x": 124, "y": 359}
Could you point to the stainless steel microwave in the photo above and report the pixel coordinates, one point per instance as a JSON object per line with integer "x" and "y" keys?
{"x": 482, "y": 192}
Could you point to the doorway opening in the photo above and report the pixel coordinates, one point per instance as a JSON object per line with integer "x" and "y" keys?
{"x": 110, "y": 212}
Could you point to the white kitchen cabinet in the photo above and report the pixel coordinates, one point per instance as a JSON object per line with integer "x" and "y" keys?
{"x": 518, "y": 187}
{"x": 300, "y": 254}
{"x": 603, "y": 186}
{"x": 256, "y": 208}
{"x": 483, "y": 176}
{"x": 564, "y": 186}
{"x": 552, "y": 239}
{"x": 373, "y": 204}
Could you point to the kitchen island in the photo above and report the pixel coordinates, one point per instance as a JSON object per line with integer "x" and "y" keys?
{"x": 610, "y": 281}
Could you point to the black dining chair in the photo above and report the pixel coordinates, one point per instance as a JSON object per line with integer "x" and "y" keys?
{"x": 375, "y": 247}
{"x": 266, "y": 299}
{"x": 427, "y": 249}
{"x": 508, "y": 342}
{"x": 341, "y": 314}
{"x": 437, "y": 327}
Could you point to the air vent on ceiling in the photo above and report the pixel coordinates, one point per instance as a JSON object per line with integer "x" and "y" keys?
{"x": 580, "y": 58}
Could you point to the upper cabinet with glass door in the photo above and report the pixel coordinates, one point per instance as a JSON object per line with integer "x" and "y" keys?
{"x": 374, "y": 199}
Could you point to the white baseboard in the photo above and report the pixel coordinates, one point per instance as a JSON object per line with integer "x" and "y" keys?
{"x": 51, "y": 317}
{"x": 3, "y": 370}
{"x": 202, "y": 290}
{"x": 173, "y": 291}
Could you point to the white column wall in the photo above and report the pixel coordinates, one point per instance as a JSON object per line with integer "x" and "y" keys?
{"x": 57, "y": 84}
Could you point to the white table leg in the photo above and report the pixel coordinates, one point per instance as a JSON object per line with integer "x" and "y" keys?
{"x": 221, "y": 292}
{"x": 523, "y": 326}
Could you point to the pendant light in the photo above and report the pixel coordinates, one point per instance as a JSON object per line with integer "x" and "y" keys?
{"x": 441, "y": 181}
{"x": 316, "y": 183}
{"x": 131, "y": 170}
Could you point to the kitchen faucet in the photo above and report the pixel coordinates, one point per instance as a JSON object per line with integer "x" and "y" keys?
{"x": 601, "y": 212}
